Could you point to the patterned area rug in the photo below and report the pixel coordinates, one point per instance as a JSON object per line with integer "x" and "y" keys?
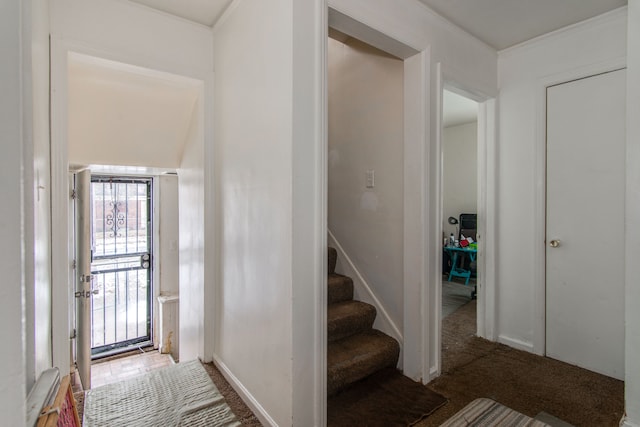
{"x": 179, "y": 395}
{"x": 487, "y": 413}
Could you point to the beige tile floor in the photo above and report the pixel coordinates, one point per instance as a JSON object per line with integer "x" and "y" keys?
{"x": 111, "y": 371}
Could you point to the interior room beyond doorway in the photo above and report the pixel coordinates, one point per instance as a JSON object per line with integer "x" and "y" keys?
{"x": 459, "y": 201}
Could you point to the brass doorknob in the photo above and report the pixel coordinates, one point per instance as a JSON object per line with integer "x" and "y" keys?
{"x": 554, "y": 243}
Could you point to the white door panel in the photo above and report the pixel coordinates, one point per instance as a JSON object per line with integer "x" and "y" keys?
{"x": 585, "y": 223}
{"x": 83, "y": 276}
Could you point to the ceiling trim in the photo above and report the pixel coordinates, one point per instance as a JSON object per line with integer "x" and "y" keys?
{"x": 602, "y": 18}
{"x": 224, "y": 16}
{"x": 162, "y": 12}
{"x": 455, "y": 27}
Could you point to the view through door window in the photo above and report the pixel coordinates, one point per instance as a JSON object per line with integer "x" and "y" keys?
{"x": 121, "y": 263}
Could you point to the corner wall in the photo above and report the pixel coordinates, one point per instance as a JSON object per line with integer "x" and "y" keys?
{"x": 632, "y": 294}
{"x": 41, "y": 195}
{"x": 253, "y": 119}
{"x": 14, "y": 105}
{"x": 268, "y": 116}
{"x": 524, "y": 71}
{"x": 191, "y": 223}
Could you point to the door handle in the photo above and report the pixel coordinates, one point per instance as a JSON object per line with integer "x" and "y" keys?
{"x": 86, "y": 294}
{"x": 554, "y": 243}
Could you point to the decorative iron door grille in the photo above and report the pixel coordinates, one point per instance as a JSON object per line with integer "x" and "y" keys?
{"x": 120, "y": 263}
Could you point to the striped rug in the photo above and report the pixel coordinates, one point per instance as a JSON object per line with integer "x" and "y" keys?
{"x": 177, "y": 395}
{"x": 488, "y": 413}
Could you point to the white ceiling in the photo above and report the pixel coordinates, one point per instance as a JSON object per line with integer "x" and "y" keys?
{"x": 504, "y": 23}
{"x": 205, "y": 12}
{"x": 499, "y": 23}
{"x": 458, "y": 110}
{"x": 125, "y": 115}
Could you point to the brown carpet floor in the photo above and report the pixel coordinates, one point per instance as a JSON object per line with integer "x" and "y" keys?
{"x": 237, "y": 405}
{"x": 242, "y": 411}
{"x": 474, "y": 367}
{"x": 385, "y": 399}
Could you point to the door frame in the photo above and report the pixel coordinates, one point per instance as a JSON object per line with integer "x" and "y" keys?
{"x": 486, "y": 208}
{"x": 540, "y": 194}
{"x": 415, "y": 356}
{"x": 420, "y": 357}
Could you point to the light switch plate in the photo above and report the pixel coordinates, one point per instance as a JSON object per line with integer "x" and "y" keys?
{"x": 371, "y": 178}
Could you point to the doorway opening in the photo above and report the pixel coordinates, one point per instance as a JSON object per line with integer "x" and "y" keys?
{"x": 459, "y": 201}
{"x": 121, "y": 253}
{"x": 365, "y": 172}
{"x": 460, "y": 208}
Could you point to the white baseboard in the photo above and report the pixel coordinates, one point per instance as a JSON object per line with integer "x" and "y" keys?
{"x": 383, "y": 321}
{"x": 246, "y": 396}
{"x": 624, "y": 422}
{"x": 433, "y": 374}
{"x": 516, "y": 343}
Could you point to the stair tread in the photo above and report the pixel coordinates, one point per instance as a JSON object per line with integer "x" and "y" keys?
{"x": 353, "y": 358}
{"x": 348, "y": 309}
{"x": 337, "y": 278}
{"x": 353, "y": 348}
{"x": 348, "y": 318}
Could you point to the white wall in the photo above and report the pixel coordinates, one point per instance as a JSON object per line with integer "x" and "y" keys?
{"x": 191, "y": 193}
{"x": 28, "y": 206}
{"x": 459, "y": 173}
{"x": 524, "y": 71}
{"x": 12, "y": 313}
{"x": 41, "y": 298}
{"x": 632, "y": 295}
{"x": 253, "y": 121}
{"x": 366, "y": 133}
{"x": 119, "y": 30}
{"x": 123, "y": 32}
{"x": 269, "y": 158}
{"x": 124, "y": 115}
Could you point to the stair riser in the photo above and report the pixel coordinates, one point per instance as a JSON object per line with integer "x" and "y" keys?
{"x": 340, "y": 288}
{"x": 349, "y": 318}
{"x": 332, "y": 259}
{"x": 345, "y": 327}
{"x": 342, "y": 375}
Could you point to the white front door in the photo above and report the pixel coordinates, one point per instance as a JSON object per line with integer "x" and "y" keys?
{"x": 585, "y": 222}
{"x": 83, "y": 278}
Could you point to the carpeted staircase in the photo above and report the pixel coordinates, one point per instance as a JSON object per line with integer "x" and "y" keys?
{"x": 355, "y": 349}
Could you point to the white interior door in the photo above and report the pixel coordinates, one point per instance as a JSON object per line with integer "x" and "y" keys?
{"x": 83, "y": 276}
{"x": 585, "y": 223}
